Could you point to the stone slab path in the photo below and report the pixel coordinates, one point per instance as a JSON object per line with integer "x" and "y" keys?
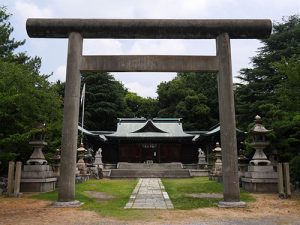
{"x": 149, "y": 193}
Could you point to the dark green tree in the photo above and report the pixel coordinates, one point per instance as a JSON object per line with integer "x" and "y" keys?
{"x": 104, "y": 102}
{"x": 141, "y": 107}
{"x": 271, "y": 89}
{"x": 26, "y": 98}
{"x": 263, "y": 83}
{"x": 191, "y": 96}
{"x": 8, "y": 43}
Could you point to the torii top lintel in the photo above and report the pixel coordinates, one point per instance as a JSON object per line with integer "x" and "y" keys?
{"x": 150, "y": 28}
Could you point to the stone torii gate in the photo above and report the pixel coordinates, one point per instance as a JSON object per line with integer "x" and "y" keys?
{"x": 221, "y": 30}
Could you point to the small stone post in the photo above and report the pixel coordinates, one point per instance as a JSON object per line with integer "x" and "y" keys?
{"x": 280, "y": 180}
{"x": 286, "y": 172}
{"x": 17, "y": 179}
{"x": 10, "y": 182}
{"x": 66, "y": 192}
{"x": 231, "y": 190}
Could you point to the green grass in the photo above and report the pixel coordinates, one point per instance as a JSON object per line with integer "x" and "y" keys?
{"x": 177, "y": 188}
{"x": 120, "y": 189}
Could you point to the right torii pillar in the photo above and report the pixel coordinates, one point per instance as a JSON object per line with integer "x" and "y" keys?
{"x": 231, "y": 190}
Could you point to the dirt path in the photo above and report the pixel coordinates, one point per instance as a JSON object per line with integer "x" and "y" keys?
{"x": 268, "y": 209}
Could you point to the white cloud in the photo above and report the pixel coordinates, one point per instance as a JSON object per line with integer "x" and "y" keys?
{"x": 53, "y": 52}
{"x": 143, "y": 83}
{"x": 94, "y": 9}
{"x": 59, "y": 74}
{"x": 158, "y": 47}
{"x": 26, "y": 10}
{"x": 171, "y": 9}
{"x": 102, "y": 47}
{"x": 142, "y": 90}
{"x": 130, "y": 9}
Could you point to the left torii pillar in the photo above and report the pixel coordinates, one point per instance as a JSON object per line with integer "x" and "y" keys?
{"x": 66, "y": 190}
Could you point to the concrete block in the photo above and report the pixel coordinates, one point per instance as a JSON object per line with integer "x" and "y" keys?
{"x": 267, "y": 175}
{"x": 262, "y": 187}
{"x": 29, "y": 168}
{"x": 259, "y": 180}
{"x": 199, "y": 172}
{"x": 40, "y": 185}
{"x": 260, "y": 168}
{"x": 37, "y": 174}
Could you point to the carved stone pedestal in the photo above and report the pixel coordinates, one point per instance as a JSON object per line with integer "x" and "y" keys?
{"x": 37, "y": 178}
{"x": 260, "y": 179}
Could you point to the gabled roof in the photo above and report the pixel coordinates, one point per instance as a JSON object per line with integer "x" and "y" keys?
{"x": 212, "y": 131}
{"x": 141, "y": 128}
{"x": 156, "y": 128}
{"x": 149, "y": 127}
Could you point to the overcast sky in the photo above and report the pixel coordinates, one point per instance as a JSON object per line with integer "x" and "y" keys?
{"x": 54, "y": 51}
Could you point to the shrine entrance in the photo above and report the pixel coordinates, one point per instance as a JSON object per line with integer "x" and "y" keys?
{"x": 221, "y": 30}
{"x": 149, "y": 152}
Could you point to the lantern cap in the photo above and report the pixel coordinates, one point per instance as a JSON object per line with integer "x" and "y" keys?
{"x": 217, "y": 148}
{"x": 258, "y": 127}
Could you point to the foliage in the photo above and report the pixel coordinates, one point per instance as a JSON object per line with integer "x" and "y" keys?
{"x": 271, "y": 89}
{"x": 8, "y": 44}
{"x": 141, "y": 107}
{"x": 26, "y": 98}
{"x": 105, "y": 101}
{"x": 295, "y": 169}
{"x": 178, "y": 188}
{"x": 191, "y": 96}
{"x": 273, "y": 74}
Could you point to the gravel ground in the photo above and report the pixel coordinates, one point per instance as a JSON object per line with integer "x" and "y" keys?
{"x": 267, "y": 210}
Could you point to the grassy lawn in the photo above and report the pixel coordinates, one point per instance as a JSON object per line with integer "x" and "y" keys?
{"x": 120, "y": 189}
{"x": 177, "y": 188}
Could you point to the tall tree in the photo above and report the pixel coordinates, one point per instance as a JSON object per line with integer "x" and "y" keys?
{"x": 141, "y": 107}
{"x": 8, "y": 43}
{"x": 105, "y": 101}
{"x": 192, "y": 96}
{"x": 26, "y": 98}
{"x": 260, "y": 85}
{"x": 271, "y": 89}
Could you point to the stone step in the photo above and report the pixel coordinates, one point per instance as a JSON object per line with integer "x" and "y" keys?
{"x": 146, "y": 173}
{"x": 173, "y": 165}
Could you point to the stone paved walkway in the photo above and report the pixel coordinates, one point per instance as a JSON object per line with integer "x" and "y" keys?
{"x": 149, "y": 193}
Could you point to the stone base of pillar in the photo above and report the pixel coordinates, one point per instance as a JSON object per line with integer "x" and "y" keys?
{"x": 239, "y": 204}
{"x": 72, "y": 204}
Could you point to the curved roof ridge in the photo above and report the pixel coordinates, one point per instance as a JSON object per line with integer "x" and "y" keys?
{"x": 149, "y": 127}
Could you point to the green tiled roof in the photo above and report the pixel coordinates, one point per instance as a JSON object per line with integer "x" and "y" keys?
{"x": 152, "y": 128}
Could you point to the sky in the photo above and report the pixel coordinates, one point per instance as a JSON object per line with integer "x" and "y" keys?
{"x": 54, "y": 51}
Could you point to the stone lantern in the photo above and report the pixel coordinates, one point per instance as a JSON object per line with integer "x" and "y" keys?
{"x": 38, "y": 142}
{"x": 217, "y": 170}
{"x": 80, "y": 163}
{"x": 56, "y": 162}
{"x": 37, "y": 176}
{"x": 259, "y": 142}
{"x": 216, "y": 173}
{"x": 260, "y": 176}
